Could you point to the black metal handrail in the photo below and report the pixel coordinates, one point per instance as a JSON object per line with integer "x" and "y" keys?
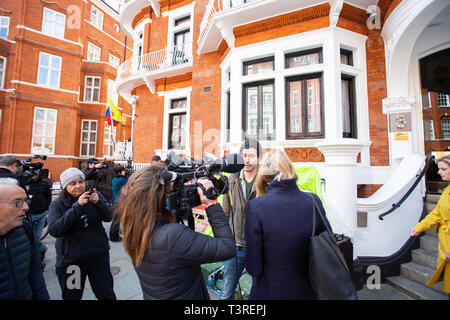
{"x": 418, "y": 178}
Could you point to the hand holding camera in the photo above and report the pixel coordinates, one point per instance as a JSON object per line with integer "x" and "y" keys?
{"x": 206, "y": 184}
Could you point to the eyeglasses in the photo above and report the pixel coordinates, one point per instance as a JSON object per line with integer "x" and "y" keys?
{"x": 18, "y": 203}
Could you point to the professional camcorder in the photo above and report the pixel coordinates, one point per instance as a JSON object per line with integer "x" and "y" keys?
{"x": 184, "y": 174}
{"x": 30, "y": 168}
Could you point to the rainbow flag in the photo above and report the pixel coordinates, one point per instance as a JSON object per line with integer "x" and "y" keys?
{"x": 112, "y": 113}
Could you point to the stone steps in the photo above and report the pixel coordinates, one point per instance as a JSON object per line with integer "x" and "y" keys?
{"x": 415, "y": 290}
{"x": 415, "y": 274}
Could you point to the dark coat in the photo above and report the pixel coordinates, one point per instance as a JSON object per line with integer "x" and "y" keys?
{"x": 5, "y": 173}
{"x": 41, "y": 196}
{"x": 76, "y": 243}
{"x": 20, "y": 266}
{"x": 117, "y": 183}
{"x": 171, "y": 267}
{"x": 277, "y": 235}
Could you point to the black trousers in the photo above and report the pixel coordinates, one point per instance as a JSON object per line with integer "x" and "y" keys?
{"x": 114, "y": 231}
{"x": 73, "y": 278}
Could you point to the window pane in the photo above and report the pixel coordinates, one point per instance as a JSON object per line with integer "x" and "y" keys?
{"x": 38, "y": 129}
{"x": 89, "y": 82}
{"x": 303, "y": 59}
{"x": 43, "y": 75}
{"x": 268, "y": 116}
{"x": 177, "y": 104}
{"x": 92, "y": 149}
{"x": 295, "y": 109}
{"x": 39, "y": 114}
{"x": 84, "y": 149}
{"x": 44, "y": 60}
{"x": 48, "y": 145}
{"x": 96, "y": 94}
{"x": 51, "y": 116}
{"x": 97, "y": 82}
{"x": 50, "y": 130}
{"x": 54, "y": 78}
{"x": 252, "y": 111}
{"x": 258, "y": 67}
{"x": 84, "y": 137}
{"x": 85, "y": 125}
{"x": 92, "y": 137}
{"x": 313, "y": 107}
{"x": 88, "y": 94}
{"x": 56, "y": 63}
{"x": 94, "y": 125}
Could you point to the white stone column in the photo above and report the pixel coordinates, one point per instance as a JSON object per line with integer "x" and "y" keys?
{"x": 341, "y": 180}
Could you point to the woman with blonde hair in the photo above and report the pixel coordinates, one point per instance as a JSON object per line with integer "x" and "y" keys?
{"x": 167, "y": 255}
{"x": 277, "y": 232}
{"x": 440, "y": 217}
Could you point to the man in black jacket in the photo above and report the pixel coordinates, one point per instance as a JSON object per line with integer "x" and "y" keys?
{"x": 9, "y": 166}
{"x": 20, "y": 265}
{"x": 41, "y": 196}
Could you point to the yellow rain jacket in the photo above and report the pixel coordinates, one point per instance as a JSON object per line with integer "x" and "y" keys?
{"x": 440, "y": 217}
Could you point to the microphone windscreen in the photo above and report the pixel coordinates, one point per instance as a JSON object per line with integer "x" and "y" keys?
{"x": 232, "y": 163}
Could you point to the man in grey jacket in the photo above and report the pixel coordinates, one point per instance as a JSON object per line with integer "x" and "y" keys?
{"x": 241, "y": 189}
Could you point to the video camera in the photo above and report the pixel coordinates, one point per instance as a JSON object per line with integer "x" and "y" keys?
{"x": 30, "y": 168}
{"x": 185, "y": 173}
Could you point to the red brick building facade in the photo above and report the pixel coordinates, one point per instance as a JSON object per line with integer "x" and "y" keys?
{"x": 59, "y": 63}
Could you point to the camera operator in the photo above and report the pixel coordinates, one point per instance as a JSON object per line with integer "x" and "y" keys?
{"x": 167, "y": 255}
{"x": 92, "y": 169}
{"x": 41, "y": 197}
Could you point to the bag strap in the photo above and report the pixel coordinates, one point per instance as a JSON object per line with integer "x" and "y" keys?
{"x": 316, "y": 209}
{"x": 338, "y": 252}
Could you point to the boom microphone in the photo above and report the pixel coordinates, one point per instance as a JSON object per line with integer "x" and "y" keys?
{"x": 230, "y": 163}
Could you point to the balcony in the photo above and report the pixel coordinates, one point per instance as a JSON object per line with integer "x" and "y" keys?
{"x": 130, "y": 8}
{"x": 145, "y": 69}
{"x": 221, "y": 16}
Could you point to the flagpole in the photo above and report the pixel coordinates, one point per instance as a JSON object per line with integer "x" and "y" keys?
{"x": 112, "y": 126}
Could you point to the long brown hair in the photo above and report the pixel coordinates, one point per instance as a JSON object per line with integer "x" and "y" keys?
{"x": 141, "y": 201}
{"x": 273, "y": 162}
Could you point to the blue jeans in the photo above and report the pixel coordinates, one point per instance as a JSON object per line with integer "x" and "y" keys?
{"x": 38, "y": 226}
{"x": 230, "y": 276}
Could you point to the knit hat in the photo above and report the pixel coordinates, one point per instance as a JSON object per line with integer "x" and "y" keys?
{"x": 70, "y": 175}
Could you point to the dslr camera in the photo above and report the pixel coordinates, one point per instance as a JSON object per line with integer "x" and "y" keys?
{"x": 185, "y": 173}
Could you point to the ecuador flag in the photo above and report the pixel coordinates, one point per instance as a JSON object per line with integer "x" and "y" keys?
{"x": 112, "y": 113}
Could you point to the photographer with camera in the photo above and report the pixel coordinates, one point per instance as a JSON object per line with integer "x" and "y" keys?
{"x": 75, "y": 219}
{"x": 167, "y": 255}
{"x": 91, "y": 171}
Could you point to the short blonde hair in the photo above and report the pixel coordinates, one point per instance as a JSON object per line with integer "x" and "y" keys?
{"x": 273, "y": 163}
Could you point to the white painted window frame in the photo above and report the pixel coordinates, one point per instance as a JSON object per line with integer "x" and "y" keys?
{"x": 89, "y": 136}
{"x": 331, "y": 40}
{"x": 50, "y": 68}
{"x": 54, "y": 25}
{"x": 7, "y": 27}
{"x": 99, "y": 17}
{"x": 92, "y": 87}
{"x": 33, "y": 136}
{"x": 3, "y": 72}
{"x": 94, "y": 53}
{"x": 168, "y": 97}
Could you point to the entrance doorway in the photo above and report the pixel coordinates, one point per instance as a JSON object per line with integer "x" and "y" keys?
{"x": 435, "y": 82}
